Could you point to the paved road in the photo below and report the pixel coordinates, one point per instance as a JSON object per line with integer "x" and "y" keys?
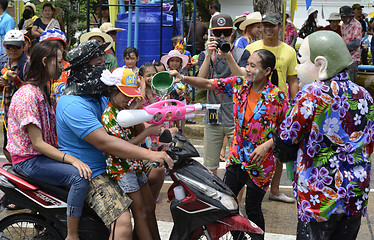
{"x": 280, "y": 218}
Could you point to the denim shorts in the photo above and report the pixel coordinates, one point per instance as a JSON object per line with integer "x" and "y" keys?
{"x": 131, "y": 182}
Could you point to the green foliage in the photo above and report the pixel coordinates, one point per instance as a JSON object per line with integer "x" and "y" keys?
{"x": 202, "y": 7}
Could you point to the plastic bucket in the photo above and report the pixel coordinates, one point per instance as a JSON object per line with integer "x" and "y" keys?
{"x": 162, "y": 83}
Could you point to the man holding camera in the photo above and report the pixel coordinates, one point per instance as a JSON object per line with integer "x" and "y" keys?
{"x": 220, "y": 60}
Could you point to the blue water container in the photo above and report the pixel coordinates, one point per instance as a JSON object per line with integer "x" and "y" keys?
{"x": 148, "y": 34}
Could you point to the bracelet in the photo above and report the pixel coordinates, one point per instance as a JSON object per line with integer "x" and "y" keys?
{"x": 182, "y": 78}
{"x": 63, "y": 158}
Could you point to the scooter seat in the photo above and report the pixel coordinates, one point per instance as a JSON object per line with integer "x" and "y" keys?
{"x": 58, "y": 191}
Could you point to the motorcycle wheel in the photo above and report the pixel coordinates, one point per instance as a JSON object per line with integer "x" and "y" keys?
{"x": 239, "y": 235}
{"x": 25, "y": 227}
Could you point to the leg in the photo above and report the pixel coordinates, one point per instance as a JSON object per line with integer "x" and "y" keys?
{"x": 223, "y": 149}
{"x": 275, "y": 194}
{"x": 348, "y": 228}
{"x": 45, "y": 169}
{"x": 139, "y": 213}
{"x": 150, "y": 208}
{"x": 253, "y": 202}
{"x": 155, "y": 180}
{"x": 5, "y": 151}
{"x": 122, "y": 227}
{"x": 213, "y": 138}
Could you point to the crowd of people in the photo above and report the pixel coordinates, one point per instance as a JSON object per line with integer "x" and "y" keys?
{"x": 268, "y": 102}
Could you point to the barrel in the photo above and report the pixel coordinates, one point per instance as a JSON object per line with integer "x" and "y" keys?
{"x": 365, "y": 77}
{"x": 148, "y": 34}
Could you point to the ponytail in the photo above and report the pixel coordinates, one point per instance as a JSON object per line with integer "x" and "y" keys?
{"x": 274, "y": 77}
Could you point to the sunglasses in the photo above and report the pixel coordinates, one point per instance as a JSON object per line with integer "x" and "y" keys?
{"x": 219, "y": 32}
{"x": 10, "y": 47}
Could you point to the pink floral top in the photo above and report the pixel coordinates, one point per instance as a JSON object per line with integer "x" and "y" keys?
{"x": 267, "y": 116}
{"x": 290, "y": 32}
{"x": 29, "y": 106}
{"x": 351, "y": 31}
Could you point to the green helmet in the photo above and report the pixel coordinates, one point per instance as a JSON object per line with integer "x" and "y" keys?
{"x": 330, "y": 45}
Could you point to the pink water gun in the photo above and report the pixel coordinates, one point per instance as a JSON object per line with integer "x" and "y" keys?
{"x": 157, "y": 113}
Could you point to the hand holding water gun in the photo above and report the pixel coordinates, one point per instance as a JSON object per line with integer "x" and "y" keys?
{"x": 157, "y": 113}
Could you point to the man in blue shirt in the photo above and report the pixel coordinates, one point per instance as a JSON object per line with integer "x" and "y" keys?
{"x": 6, "y": 23}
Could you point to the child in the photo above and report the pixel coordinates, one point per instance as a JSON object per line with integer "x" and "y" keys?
{"x": 177, "y": 61}
{"x": 160, "y": 67}
{"x": 131, "y": 58}
{"x": 146, "y": 72}
{"x": 130, "y": 173}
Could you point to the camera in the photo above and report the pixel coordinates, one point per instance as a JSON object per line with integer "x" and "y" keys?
{"x": 223, "y": 45}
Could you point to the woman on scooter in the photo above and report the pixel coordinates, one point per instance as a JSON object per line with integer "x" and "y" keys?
{"x": 259, "y": 108}
{"x": 32, "y": 137}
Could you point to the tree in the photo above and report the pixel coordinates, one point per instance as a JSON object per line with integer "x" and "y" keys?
{"x": 264, "y": 6}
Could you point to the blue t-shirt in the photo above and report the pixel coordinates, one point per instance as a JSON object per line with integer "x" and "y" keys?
{"x": 241, "y": 42}
{"x": 6, "y": 23}
{"x": 78, "y": 116}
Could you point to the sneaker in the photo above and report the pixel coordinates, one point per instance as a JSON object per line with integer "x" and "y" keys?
{"x": 281, "y": 198}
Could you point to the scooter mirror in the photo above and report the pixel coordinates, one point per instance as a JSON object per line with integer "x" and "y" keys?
{"x": 165, "y": 136}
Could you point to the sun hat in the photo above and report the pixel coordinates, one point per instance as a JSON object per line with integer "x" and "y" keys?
{"x": 84, "y": 52}
{"x": 252, "y": 18}
{"x": 126, "y": 82}
{"x": 334, "y": 16}
{"x": 108, "y": 27}
{"x": 174, "y": 53}
{"x": 311, "y": 10}
{"x": 97, "y": 32}
{"x": 29, "y": 4}
{"x": 238, "y": 20}
{"x": 221, "y": 21}
{"x": 272, "y": 18}
{"x": 346, "y": 11}
{"x": 53, "y": 34}
{"x": 14, "y": 37}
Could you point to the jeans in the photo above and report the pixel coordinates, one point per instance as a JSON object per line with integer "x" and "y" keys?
{"x": 44, "y": 169}
{"x": 338, "y": 227}
{"x": 235, "y": 178}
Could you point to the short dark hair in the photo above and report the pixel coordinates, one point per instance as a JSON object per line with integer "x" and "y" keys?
{"x": 175, "y": 39}
{"x": 27, "y": 13}
{"x": 48, "y": 5}
{"x": 214, "y": 6}
{"x": 4, "y": 4}
{"x": 158, "y": 64}
{"x": 145, "y": 66}
{"x": 130, "y": 50}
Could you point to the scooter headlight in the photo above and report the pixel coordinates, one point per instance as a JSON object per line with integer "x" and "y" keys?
{"x": 225, "y": 199}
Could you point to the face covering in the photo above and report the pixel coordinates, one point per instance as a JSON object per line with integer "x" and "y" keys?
{"x": 85, "y": 79}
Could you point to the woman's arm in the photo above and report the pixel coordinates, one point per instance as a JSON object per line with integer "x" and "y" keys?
{"x": 261, "y": 151}
{"x": 48, "y": 150}
{"x": 198, "y": 82}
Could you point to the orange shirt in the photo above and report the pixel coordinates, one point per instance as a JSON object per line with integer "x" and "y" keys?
{"x": 252, "y": 100}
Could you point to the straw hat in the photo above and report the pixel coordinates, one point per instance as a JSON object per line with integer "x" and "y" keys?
{"x": 238, "y": 20}
{"x": 252, "y": 18}
{"x": 175, "y": 53}
{"x": 334, "y": 16}
{"x": 29, "y": 4}
{"x": 97, "y": 32}
{"x": 57, "y": 10}
{"x": 108, "y": 27}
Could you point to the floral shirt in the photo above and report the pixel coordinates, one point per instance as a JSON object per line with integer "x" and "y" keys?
{"x": 268, "y": 114}
{"x": 29, "y": 106}
{"x": 290, "y": 32}
{"x": 351, "y": 31}
{"x": 333, "y": 125}
{"x": 117, "y": 167}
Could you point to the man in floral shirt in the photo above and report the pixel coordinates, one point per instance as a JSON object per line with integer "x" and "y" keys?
{"x": 330, "y": 131}
{"x": 352, "y": 35}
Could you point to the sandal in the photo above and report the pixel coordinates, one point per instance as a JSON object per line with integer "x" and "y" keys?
{"x": 12, "y": 206}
